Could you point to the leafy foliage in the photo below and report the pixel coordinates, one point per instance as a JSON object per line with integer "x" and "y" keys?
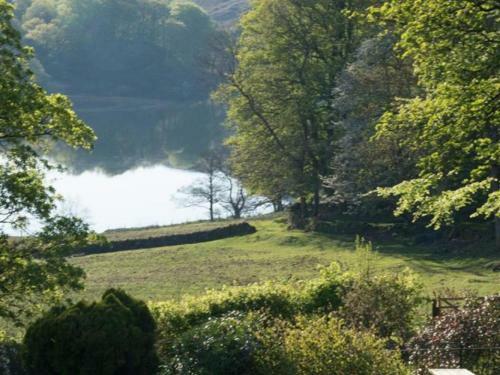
{"x": 385, "y": 304}
{"x": 467, "y": 338}
{"x": 279, "y": 93}
{"x": 127, "y": 48}
{"x": 454, "y": 48}
{"x": 256, "y": 343}
{"x": 363, "y": 300}
{"x": 10, "y": 357}
{"x": 367, "y": 87}
{"x": 223, "y": 345}
{"x": 33, "y": 269}
{"x": 114, "y": 336}
{"x": 323, "y": 346}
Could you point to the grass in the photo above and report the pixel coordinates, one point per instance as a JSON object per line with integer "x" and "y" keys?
{"x": 142, "y": 233}
{"x": 273, "y": 253}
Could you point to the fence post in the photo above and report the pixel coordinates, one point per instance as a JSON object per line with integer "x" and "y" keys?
{"x": 435, "y": 308}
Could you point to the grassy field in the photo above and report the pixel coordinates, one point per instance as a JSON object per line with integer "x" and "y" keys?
{"x": 141, "y": 233}
{"x": 273, "y": 253}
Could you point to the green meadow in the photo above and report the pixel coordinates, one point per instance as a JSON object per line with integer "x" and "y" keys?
{"x": 275, "y": 253}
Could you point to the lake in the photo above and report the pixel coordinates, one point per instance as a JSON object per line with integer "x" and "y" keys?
{"x": 125, "y": 181}
{"x": 139, "y": 197}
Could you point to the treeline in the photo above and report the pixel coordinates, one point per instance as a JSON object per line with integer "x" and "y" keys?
{"x": 140, "y": 48}
{"x": 139, "y": 73}
{"x": 372, "y": 106}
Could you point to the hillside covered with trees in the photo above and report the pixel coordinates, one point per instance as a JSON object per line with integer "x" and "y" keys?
{"x": 226, "y": 12}
{"x": 136, "y": 67}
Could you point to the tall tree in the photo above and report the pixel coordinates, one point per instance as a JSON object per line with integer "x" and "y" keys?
{"x": 280, "y": 94}
{"x": 367, "y": 88}
{"x": 455, "y": 46}
{"x": 34, "y": 268}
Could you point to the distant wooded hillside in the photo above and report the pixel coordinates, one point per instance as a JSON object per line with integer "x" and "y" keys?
{"x": 224, "y": 11}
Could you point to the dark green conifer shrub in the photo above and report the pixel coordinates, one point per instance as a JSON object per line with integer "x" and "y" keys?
{"x": 112, "y": 337}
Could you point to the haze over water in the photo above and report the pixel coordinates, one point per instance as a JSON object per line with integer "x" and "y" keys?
{"x": 140, "y": 197}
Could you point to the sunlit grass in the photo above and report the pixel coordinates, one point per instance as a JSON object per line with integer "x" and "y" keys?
{"x": 274, "y": 253}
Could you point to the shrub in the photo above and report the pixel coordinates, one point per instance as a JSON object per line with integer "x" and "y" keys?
{"x": 176, "y": 317}
{"x": 468, "y": 337}
{"x": 10, "y": 357}
{"x": 113, "y": 336}
{"x": 224, "y": 345}
{"x": 384, "y": 303}
{"x": 323, "y": 346}
{"x": 324, "y": 294}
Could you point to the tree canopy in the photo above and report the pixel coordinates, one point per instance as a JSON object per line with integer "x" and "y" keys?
{"x": 280, "y": 96}
{"x": 30, "y": 121}
{"x": 454, "y": 46}
{"x": 141, "y": 48}
{"x": 394, "y": 97}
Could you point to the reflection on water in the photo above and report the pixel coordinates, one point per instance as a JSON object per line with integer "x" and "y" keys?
{"x": 125, "y": 181}
{"x": 136, "y": 198}
{"x": 135, "y": 132}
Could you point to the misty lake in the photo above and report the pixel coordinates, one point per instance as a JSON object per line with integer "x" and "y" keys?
{"x": 126, "y": 180}
{"x": 139, "y": 197}
{"x": 132, "y": 176}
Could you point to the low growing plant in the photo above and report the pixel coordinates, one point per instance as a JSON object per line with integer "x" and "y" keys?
{"x": 467, "y": 338}
{"x": 223, "y": 345}
{"x": 112, "y": 337}
{"x": 322, "y": 345}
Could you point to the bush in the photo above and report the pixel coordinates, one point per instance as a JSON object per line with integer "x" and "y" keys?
{"x": 10, "y": 357}
{"x": 276, "y": 299}
{"x": 384, "y": 303}
{"x": 176, "y": 317}
{"x": 323, "y": 346}
{"x": 224, "y": 345}
{"x": 113, "y": 336}
{"x": 324, "y": 294}
{"x": 468, "y": 337}
{"x": 234, "y": 328}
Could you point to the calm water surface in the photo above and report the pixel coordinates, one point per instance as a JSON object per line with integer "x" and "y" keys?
{"x": 139, "y": 197}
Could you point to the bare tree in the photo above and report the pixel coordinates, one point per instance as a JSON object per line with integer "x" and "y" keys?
{"x": 218, "y": 189}
{"x": 205, "y": 192}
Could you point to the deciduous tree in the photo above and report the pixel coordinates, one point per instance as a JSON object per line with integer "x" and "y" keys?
{"x": 454, "y": 46}
{"x": 280, "y": 94}
{"x": 32, "y": 269}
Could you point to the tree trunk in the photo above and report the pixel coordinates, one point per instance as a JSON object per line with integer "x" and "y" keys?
{"x": 317, "y": 200}
{"x": 297, "y": 215}
{"x": 495, "y": 186}
{"x": 211, "y": 198}
{"x": 278, "y": 205}
{"x": 497, "y": 232}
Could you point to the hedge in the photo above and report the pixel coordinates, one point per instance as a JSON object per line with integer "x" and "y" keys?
{"x": 234, "y": 230}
